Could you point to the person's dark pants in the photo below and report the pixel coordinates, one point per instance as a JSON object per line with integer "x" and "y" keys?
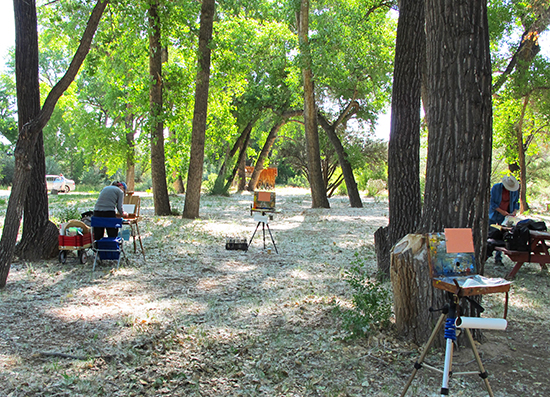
{"x": 497, "y": 219}
{"x": 99, "y": 232}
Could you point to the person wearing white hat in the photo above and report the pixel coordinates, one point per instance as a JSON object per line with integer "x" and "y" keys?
{"x": 504, "y": 202}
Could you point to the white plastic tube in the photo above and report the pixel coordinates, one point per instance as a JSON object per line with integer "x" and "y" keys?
{"x": 481, "y": 323}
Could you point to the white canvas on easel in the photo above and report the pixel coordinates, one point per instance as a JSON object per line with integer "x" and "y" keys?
{"x": 129, "y": 208}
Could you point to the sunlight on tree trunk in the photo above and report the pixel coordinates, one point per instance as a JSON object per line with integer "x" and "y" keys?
{"x": 318, "y": 189}
{"x": 158, "y": 159}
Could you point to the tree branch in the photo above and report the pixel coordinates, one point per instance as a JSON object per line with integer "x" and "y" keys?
{"x": 528, "y": 47}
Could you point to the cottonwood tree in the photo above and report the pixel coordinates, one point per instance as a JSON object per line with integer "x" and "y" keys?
{"x": 26, "y": 32}
{"x": 331, "y": 130}
{"x": 459, "y": 116}
{"x": 403, "y": 149}
{"x": 38, "y": 232}
{"x": 522, "y": 119}
{"x": 352, "y": 76}
{"x": 534, "y": 16}
{"x": 279, "y": 122}
{"x": 318, "y": 189}
{"x": 158, "y": 170}
{"x": 194, "y": 178}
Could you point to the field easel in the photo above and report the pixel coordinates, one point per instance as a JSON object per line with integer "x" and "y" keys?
{"x": 262, "y": 210}
{"x": 452, "y": 265}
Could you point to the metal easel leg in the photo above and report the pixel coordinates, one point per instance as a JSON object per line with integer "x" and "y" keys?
{"x": 272, "y": 240}
{"x": 418, "y": 363}
{"x": 482, "y": 373}
{"x": 253, "y": 234}
{"x": 450, "y": 338}
{"x": 263, "y": 232}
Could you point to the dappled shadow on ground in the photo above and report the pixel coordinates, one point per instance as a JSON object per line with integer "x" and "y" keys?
{"x": 196, "y": 319}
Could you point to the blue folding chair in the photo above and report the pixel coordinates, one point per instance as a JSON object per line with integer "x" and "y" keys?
{"x": 108, "y": 248}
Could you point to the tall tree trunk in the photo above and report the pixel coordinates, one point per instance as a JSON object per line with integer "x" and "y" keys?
{"x": 219, "y": 184}
{"x": 347, "y": 171}
{"x": 270, "y": 140}
{"x": 39, "y": 238}
{"x": 459, "y": 150}
{"x": 459, "y": 124}
{"x": 239, "y": 164}
{"x": 28, "y": 135}
{"x": 460, "y": 119}
{"x": 158, "y": 170}
{"x": 405, "y": 207}
{"x": 318, "y": 189}
{"x": 242, "y": 175}
{"x": 130, "y": 152}
{"x": 524, "y": 206}
{"x": 194, "y": 177}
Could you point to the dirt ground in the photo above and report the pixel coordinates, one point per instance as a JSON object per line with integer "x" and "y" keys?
{"x": 195, "y": 319}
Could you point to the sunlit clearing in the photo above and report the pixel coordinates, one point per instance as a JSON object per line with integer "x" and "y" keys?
{"x": 301, "y": 274}
{"x": 208, "y": 284}
{"x": 7, "y": 360}
{"x": 236, "y": 267}
{"x": 163, "y": 222}
{"x": 290, "y": 223}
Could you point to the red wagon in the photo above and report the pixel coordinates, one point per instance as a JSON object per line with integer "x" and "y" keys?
{"x": 74, "y": 236}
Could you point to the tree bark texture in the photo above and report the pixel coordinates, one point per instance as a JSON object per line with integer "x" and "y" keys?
{"x": 413, "y": 294}
{"x": 194, "y": 177}
{"x": 459, "y": 119}
{"x": 39, "y": 238}
{"x": 347, "y": 171}
{"x": 28, "y": 136}
{"x": 161, "y": 200}
{"x": 271, "y": 138}
{"x": 382, "y": 248}
{"x": 130, "y": 152}
{"x": 404, "y": 146}
{"x": 318, "y": 190}
{"x": 241, "y": 175}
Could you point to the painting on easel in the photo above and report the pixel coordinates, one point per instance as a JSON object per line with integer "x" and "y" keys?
{"x": 264, "y": 201}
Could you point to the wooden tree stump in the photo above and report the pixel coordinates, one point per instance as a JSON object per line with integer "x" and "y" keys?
{"x": 413, "y": 293}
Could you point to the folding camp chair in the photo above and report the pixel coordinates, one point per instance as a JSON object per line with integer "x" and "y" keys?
{"x": 108, "y": 248}
{"x": 132, "y": 206}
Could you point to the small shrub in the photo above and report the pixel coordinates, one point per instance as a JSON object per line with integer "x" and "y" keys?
{"x": 371, "y": 302}
{"x": 208, "y": 184}
{"x": 66, "y": 213}
{"x": 298, "y": 181}
{"x": 342, "y": 190}
{"x": 374, "y": 187}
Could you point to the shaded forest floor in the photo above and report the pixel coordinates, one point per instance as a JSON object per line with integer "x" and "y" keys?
{"x": 195, "y": 319}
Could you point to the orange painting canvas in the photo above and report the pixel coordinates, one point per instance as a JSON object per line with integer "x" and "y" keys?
{"x": 459, "y": 240}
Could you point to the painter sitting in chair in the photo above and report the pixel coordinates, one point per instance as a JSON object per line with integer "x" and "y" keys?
{"x": 108, "y": 204}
